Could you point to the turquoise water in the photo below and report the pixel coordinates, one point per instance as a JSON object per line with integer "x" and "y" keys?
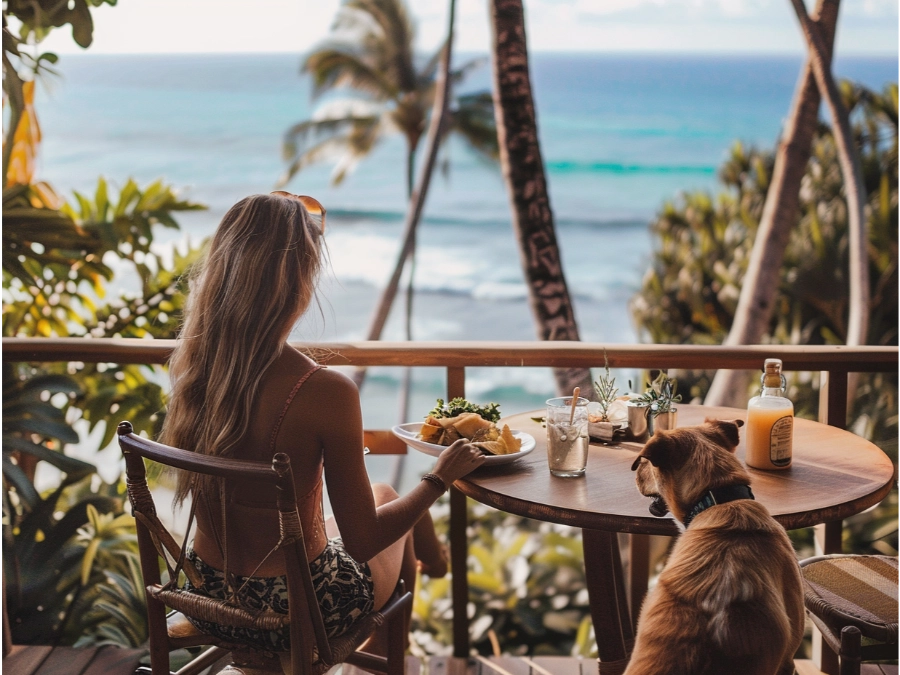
{"x": 619, "y": 134}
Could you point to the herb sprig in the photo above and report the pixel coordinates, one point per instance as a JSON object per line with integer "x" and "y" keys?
{"x": 606, "y": 389}
{"x": 457, "y": 406}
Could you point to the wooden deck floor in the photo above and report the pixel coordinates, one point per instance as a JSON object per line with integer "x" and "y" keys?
{"x": 544, "y": 665}
{"x": 94, "y": 661}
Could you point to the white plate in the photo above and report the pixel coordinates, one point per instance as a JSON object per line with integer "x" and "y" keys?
{"x": 409, "y": 434}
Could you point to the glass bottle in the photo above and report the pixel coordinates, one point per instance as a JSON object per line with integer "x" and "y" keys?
{"x": 770, "y": 422}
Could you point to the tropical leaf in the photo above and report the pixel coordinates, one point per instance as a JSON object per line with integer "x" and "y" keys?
{"x": 22, "y": 483}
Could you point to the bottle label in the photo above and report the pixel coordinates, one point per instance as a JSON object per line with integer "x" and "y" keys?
{"x": 780, "y": 441}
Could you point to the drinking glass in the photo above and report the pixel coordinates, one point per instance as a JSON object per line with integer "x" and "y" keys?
{"x": 567, "y": 436}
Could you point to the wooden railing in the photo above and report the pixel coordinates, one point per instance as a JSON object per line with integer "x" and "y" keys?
{"x": 835, "y": 363}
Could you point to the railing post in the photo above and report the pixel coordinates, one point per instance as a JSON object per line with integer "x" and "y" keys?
{"x": 459, "y": 552}
{"x": 829, "y": 536}
{"x": 832, "y": 411}
{"x": 833, "y": 398}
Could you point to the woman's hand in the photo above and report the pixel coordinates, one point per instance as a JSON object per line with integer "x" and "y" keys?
{"x": 458, "y": 460}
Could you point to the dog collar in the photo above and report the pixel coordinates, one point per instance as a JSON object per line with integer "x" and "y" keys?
{"x": 729, "y": 493}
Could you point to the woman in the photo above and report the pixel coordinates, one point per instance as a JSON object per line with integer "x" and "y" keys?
{"x": 239, "y": 390}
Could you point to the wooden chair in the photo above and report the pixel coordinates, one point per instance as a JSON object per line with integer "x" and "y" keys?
{"x": 850, "y": 597}
{"x": 311, "y": 652}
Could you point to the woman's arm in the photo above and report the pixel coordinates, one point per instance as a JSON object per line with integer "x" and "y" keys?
{"x": 365, "y": 530}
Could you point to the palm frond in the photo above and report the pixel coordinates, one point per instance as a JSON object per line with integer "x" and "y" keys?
{"x": 359, "y": 143}
{"x": 300, "y": 136}
{"x": 344, "y": 140}
{"x": 473, "y": 118}
{"x": 397, "y": 39}
{"x": 335, "y": 67}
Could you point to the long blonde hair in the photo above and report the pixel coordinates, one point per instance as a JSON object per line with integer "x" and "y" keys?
{"x": 258, "y": 277}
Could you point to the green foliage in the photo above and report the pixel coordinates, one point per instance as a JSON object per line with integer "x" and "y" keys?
{"x": 690, "y": 293}
{"x": 458, "y": 406}
{"x": 49, "y": 584}
{"x": 54, "y": 272}
{"x": 74, "y": 575}
{"x": 70, "y": 553}
{"x": 39, "y": 17}
{"x": 526, "y": 583}
{"x": 59, "y": 288}
{"x": 874, "y": 533}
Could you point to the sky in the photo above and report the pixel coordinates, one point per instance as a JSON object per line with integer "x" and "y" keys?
{"x": 687, "y": 26}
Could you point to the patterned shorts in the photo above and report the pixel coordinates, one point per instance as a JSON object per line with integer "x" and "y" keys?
{"x": 343, "y": 586}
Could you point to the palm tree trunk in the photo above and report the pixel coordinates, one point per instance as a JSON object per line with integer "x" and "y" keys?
{"x": 406, "y": 378}
{"x": 854, "y": 187}
{"x": 760, "y": 284}
{"x": 523, "y": 171}
{"x": 406, "y": 382}
{"x": 417, "y": 200}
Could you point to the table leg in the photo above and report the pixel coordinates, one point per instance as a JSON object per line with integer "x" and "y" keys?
{"x": 638, "y": 573}
{"x": 609, "y": 604}
{"x": 459, "y": 553}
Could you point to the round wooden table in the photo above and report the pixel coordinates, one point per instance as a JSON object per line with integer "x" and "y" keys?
{"x": 834, "y": 474}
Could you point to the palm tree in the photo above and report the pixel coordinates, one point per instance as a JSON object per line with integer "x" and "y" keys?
{"x": 782, "y": 209}
{"x": 523, "y": 171}
{"x": 371, "y": 53}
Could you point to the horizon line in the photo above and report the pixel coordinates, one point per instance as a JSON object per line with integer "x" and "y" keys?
{"x": 559, "y": 52}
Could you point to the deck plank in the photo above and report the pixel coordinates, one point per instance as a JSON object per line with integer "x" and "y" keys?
{"x": 26, "y": 659}
{"x": 46, "y": 660}
{"x": 109, "y": 660}
{"x": 503, "y": 665}
{"x": 449, "y": 665}
{"x": 559, "y": 665}
{"x": 68, "y": 660}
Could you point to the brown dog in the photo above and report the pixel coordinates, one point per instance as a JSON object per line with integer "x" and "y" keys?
{"x": 730, "y": 600}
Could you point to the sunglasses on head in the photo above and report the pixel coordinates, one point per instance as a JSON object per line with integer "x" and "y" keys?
{"x": 315, "y": 210}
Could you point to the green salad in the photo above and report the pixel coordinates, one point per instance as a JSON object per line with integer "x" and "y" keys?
{"x": 490, "y": 412}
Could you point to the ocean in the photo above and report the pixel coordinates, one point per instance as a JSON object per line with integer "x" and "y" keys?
{"x": 619, "y": 134}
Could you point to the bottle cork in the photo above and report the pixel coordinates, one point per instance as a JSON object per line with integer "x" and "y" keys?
{"x": 772, "y": 376}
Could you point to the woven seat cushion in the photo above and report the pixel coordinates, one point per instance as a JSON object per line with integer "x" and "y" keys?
{"x": 857, "y": 590}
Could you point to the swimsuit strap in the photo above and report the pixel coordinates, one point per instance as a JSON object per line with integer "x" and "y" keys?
{"x": 288, "y": 403}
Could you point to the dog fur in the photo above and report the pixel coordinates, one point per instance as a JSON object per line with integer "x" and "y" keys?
{"x": 730, "y": 599}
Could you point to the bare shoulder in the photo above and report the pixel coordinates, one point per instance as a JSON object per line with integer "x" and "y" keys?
{"x": 324, "y": 390}
{"x": 333, "y": 385}
{"x": 292, "y": 365}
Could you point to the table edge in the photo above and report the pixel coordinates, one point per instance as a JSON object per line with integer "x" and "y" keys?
{"x": 666, "y": 525}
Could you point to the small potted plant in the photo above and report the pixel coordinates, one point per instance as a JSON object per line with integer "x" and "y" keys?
{"x": 602, "y": 418}
{"x": 658, "y": 399}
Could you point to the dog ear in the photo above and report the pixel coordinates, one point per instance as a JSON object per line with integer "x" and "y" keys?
{"x": 659, "y": 451}
{"x": 728, "y": 429}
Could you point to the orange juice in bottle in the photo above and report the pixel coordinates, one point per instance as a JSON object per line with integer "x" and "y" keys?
{"x": 770, "y": 422}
